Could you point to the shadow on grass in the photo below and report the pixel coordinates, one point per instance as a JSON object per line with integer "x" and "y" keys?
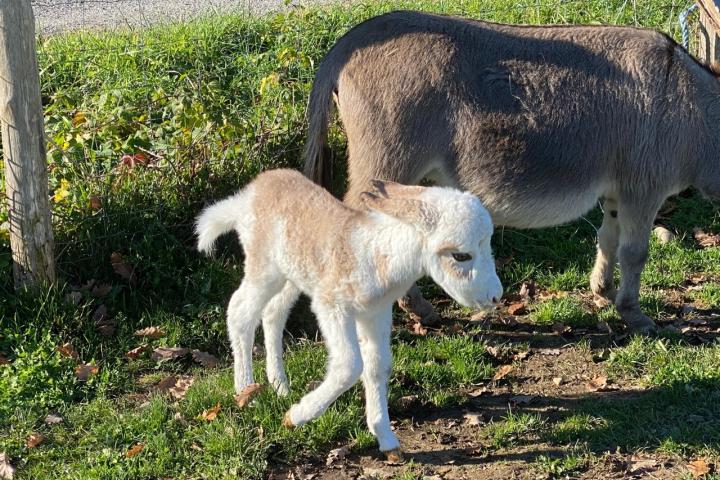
{"x": 678, "y": 418}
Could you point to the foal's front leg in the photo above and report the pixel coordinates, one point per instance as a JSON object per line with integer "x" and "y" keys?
{"x": 344, "y": 365}
{"x": 374, "y": 334}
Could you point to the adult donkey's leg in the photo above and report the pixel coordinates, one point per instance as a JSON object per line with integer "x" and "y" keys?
{"x": 635, "y": 220}
{"x": 402, "y": 169}
{"x": 602, "y": 281}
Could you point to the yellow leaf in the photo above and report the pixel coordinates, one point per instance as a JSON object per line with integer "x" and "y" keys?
{"x": 78, "y": 118}
{"x": 699, "y": 468}
{"x": 34, "y": 440}
{"x": 502, "y": 372}
{"x": 62, "y": 192}
{"x": 268, "y": 82}
{"x": 211, "y": 413}
{"x": 137, "y": 448}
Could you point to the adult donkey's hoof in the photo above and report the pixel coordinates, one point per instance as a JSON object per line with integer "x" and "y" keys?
{"x": 394, "y": 457}
{"x": 640, "y": 323}
{"x": 419, "y": 309}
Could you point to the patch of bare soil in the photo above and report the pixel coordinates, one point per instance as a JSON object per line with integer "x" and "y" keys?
{"x": 550, "y": 374}
{"x": 454, "y": 443}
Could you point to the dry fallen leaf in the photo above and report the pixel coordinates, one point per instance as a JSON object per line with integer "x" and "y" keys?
{"x": 502, "y": 372}
{"x": 106, "y": 329}
{"x": 34, "y": 439}
{"x": 95, "y": 203}
{"x": 472, "y": 418}
{"x": 557, "y": 381}
{"x": 122, "y": 268}
{"x": 66, "y": 350}
{"x": 132, "y": 161}
{"x": 478, "y": 392}
{"x": 205, "y": 359}
{"x": 560, "y": 328}
{"x": 134, "y": 450}
{"x": 407, "y": 402}
{"x": 597, "y": 383}
{"x": 179, "y": 390}
{"x": 211, "y": 413}
{"x": 85, "y": 371}
{"x": 521, "y": 355}
{"x": 78, "y": 118}
{"x": 101, "y": 290}
{"x": 637, "y": 464}
{"x": 502, "y": 261}
{"x": 168, "y": 353}
{"x": 481, "y": 316}
{"x": 527, "y": 290}
{"x": 7, "y": 471}
{"x": 699, "y": 468}
{"x": 418, "y": 329}
{"x": 103, "y": 323}
{"x": 246, "y": 395}
{"x": 152, "y": 333}
{"x": 493, "y": 351}
{"x": 100, "y": 314}
{"x": 166, "y": 383}
{"x": 136, "y": 352}
{"x": 74, "y": 298}
{"x": 550, "y": 351}
{"x": 52, "y": 419}
{"x": 337, "y": 454}
{"x": 706, "y": 240}
{"x": 517, "y": 309}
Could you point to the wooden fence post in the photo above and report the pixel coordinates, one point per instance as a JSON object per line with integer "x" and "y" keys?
{"x": 709, "y": 31}
{"x": 23, "y": 145}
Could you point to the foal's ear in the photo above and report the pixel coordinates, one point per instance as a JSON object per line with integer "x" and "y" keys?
{"x": 406, "y": 208}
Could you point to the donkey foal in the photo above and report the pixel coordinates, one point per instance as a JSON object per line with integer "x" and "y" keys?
{"x": 354, "y": 265}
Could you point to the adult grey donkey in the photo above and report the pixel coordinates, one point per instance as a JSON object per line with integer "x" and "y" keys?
{"x": 538, "y": 121}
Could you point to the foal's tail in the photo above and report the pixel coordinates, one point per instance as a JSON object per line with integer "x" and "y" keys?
{"x": 220, "y": 218}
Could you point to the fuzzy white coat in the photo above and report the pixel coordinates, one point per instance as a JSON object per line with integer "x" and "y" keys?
{"x": 354, "y": 265}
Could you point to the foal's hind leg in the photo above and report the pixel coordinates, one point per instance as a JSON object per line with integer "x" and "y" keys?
{"x": 274, "y": 318}
{"x": 243, "y": 317}
{"x": 602, "y": 282}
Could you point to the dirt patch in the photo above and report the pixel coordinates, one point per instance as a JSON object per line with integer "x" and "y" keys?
{"x": 554, "y": 372}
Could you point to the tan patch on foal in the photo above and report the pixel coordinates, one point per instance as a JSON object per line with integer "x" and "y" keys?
{"x": 382, "y": 266}
{"x": 317, "y": 226}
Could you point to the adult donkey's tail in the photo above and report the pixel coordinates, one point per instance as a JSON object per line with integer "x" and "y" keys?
{"x": 317, "y": 165}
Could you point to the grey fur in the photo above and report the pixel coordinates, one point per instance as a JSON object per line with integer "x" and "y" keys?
{"x": 539, "y": 121}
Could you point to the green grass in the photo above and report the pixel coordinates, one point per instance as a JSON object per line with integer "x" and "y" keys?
{"x": 513, "y": 427}
{"x": 210, "y": 103}
{"x": 566, "y": 310}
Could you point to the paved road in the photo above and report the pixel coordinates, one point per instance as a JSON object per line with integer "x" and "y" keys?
{"x": 60, "y": 15}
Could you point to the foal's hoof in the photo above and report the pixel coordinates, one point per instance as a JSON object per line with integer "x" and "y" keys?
{"x": 286, "y": 422}
{"x": 394, "y": 457}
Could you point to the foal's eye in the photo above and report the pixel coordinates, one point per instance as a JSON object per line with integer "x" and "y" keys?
{"x": 462, "y": 257}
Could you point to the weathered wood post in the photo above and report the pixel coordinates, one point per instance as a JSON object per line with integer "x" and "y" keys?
{"x": 709, "y": 31}
{"x": 23, "y": 145}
